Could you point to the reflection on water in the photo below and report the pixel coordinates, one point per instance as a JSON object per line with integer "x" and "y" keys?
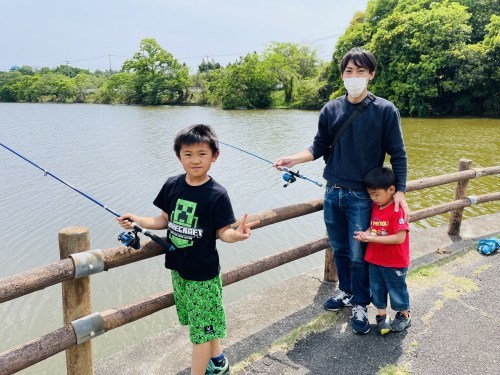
{"x": 121, "y": 155}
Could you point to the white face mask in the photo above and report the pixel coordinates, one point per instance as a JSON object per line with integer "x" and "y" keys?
{"x": 355, "y": 86}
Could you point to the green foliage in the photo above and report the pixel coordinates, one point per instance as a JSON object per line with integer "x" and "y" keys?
{"x": 158, "y": 77}
{"x": 7, "y": 82}
{"x": 290, "y": 63}
{"x": 313, "y": 92}
{"x": 435, "y": 57}
{"x": 245, "y": 84}
{"x": 69, "y": 71}
{"x": 432, "y": 57}
{"x": 86, "y": 86}
{"x": 207, "y": 65}
{"x": 119, "y": 88}
{"x": 26, "y": 70}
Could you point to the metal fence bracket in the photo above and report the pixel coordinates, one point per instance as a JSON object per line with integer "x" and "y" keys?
{"x": 473, "y": 199}
{"x": 88, "y": 262}
{"x": 88, "y": 327}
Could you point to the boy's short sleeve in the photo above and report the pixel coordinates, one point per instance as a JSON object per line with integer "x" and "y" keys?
{"x": 162, "y": 200}
{"x": 223, "y": 212}
{"x": 399, "y": 223}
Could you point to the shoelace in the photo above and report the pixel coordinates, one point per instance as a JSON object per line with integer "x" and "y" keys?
{"x": 359, "y": 313}
{"x": 341, "y": 296}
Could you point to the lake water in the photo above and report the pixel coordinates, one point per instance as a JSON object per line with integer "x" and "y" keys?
{"x": 121, "y": 155}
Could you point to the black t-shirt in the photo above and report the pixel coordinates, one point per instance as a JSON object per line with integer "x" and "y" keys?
{"x": 194, "y": 215}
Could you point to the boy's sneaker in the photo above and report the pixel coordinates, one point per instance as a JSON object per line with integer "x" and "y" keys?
{"x": 383, "y": 324}
{"x": 400, "y": 322}
{"x": 342, "y": 299}
{"x": 359, "y": 319}
{"x": 219, "y": 370}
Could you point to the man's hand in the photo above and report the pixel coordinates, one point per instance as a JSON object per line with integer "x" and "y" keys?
{"x": 400, "y": 201}
{"x": 290, "y": 161}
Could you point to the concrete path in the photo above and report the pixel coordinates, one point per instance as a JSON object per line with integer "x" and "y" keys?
{"x": 285, "y": 330}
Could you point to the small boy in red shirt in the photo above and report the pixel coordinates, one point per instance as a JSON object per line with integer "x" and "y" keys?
{"x": 387, "y": 253}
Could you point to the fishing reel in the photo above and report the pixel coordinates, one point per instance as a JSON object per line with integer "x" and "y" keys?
{"x": 130, "y": 239}
{"x": 289, "y": 177}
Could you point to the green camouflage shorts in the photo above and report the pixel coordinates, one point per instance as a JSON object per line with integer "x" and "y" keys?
{"x": 199, "y": 305}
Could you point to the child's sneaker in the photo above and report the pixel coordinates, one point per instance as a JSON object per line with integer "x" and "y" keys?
{"x": 400, "y": 322}
{"x": 219, "y": 370}
{"x": 383, "y": 324}
{"x": 359, "y": 320}
{"x": 342, "y": 299}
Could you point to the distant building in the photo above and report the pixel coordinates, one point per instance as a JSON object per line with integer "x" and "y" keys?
{"x": 13, "y": 68}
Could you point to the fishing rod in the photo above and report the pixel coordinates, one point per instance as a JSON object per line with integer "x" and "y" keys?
{"x": 127, "y": 238}
{"x": 289, "y": 176}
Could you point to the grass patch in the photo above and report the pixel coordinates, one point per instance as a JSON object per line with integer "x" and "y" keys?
{"x": 394, "y": 370}
{"x": 483, "y": 268}
{"x": 423, "y": 272}
{"x": 458, "y": 286}
{"x": 321, "y": 323}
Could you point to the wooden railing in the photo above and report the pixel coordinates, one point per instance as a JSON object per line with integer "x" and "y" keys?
{"x": 81, "y": 325}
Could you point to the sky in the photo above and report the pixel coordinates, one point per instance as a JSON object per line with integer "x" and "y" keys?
{"x": 102, "y": 34}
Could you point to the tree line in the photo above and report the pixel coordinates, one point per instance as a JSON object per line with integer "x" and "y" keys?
{"x": 435, "y": 57}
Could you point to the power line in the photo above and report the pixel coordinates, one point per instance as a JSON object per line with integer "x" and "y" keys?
{"x": 205, "y": 56}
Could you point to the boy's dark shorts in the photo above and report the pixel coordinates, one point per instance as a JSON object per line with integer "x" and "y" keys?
{"x": 199, "y": 305}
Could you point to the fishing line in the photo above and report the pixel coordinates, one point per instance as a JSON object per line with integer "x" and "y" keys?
{"x": 290, "y": 176}
{"x": 127, "y": 238}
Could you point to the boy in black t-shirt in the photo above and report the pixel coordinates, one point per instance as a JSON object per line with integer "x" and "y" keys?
{"x": 196, "y": 209}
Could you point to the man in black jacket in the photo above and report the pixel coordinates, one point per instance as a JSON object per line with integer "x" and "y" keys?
{"x": 375, "y": 133}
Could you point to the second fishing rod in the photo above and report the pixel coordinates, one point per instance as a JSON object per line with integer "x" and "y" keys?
{"x": 289, "y": 176}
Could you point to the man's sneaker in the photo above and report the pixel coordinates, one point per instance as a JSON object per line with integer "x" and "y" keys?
{"x": 383, "y": 324}
{"x": 219, "y": 370}
{"x": 400, "y": 322}
{"x": 342, "y": 299}
{"x": 359, "y": 320}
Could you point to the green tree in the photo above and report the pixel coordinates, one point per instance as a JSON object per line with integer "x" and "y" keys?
{"x": 312, "y": 93}
{"x": 86, "y": 86}
{"x": 69, "y": 71}
{"x": 26, "y": 70}
{"x": 119, "y": 88}
{"x": 24, "y": 88}
{"x": 434, "y": 56}
{"x": 207, "y": 65}
{"x": 53, "y": 87}
{"x": 7, "y": 82}
{"x": 158, "y": 77}
{"x": 418, "y": 57}
{"x": 491, "y": 45}
{"x": 290, "y": 62}
{"x": 248, "y": 83}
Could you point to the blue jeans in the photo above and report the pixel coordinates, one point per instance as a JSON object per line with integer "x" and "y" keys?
{"x": 346, "y": 211}
{"x": 384, "y": 280}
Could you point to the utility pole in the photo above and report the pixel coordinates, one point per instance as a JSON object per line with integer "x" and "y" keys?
{"x": 109, "y": 57}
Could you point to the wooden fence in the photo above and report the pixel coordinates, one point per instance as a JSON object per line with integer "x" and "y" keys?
{"x": 78, "y": 263}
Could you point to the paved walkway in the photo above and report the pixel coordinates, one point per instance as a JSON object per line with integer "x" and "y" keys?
{"x": 285, "y": 330}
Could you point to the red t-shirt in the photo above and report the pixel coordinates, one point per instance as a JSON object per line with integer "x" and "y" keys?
{"x": 385, "y": 222}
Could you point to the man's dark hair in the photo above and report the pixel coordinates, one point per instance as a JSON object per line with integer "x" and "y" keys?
{"x": 360, "y": 58}
{"x": 196, "y": 134}
{"x": 380, "y": 178}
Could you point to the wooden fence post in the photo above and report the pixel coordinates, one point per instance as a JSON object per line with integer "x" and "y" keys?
{"x": 76, "y": 300}
{"x": 460, "y": 192}
{"x": 330, "y": 267}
